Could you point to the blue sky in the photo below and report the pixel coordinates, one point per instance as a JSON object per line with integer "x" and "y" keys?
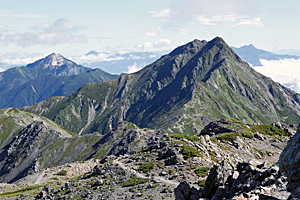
{"x": 73, "y": 27}
{"x": 32, "y": 29}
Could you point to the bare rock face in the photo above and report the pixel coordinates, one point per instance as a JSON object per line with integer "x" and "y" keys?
{"x": 217, "y": 177}
{"x": 289, "y": 162}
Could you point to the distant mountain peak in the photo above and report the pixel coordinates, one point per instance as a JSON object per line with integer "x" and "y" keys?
{"x": 92, "y": 53}
{"x": 252, "y": 55}
{"x": 54, "y": 59}
{"x": 56, "y": 64}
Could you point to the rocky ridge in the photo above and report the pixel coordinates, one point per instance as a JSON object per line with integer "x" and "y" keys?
{"x": 146, "y": 163}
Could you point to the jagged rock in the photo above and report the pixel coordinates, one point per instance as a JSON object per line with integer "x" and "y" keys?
{"x": 235, "y": 175}
{"x": 246, "y": 182}
{"x": 290, "y": 129}
{"x": 267, "y": 197}
{"x": 163, "y": 173}
{"x": 108, "y": 158}
{"x": 222, "y": 192}
{"x": 278, "y": 125}
{"x": 99, "y": 182}
{"x": 218, "y": 176}
{"x": 238, "y": 142}
{"x": 295, "y": 195}
{"x": 184, "y": 192}
{"x": 216, "y": 127}
{"x": 173, "y": 160}
{"x": 259, "y": 136}
{"x": 289, "y": 161}
{"x": 41, "y": 195}
{"x": 263, "y": 166}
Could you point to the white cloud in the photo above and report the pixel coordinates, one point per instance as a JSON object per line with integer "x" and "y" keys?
{"x": 183, "y": 32}
{"x": 164, "y": 13}
{"x": 96, "y": 58}
{"x": 135, "y": 57}
{"x": 154, "y": 32}
{"x": 216, "y": 20}
{"x": 13, "y": 14}
{"x": 133, "y": 68}
{"x": 286, "y": 72}
{"x": 189, "y": 9}
{"x": 58, "y": 32}
{"x": 230, "y": 20}
{"x": 1, "y": 69}
{"x": 212, "y": 12}
{"x": 162, "y": 43}
{"x": 158, "y": 44}
{"x": 249, "y": 23}
{"x": 122, "y": 52}
{"x": 113, "y": 47}
{"x": 144, "y": 46}
{"x": 19, "y": 59}
{"x": 152, "y": 56}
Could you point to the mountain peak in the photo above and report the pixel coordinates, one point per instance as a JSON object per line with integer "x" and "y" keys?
{"x": 55, "y": 59}
{"x": 56, "y": 64}
{"x": 218, "y": 40}
{"x": 92, "y": 53}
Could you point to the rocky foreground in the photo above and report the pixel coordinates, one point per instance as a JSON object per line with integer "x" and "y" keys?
{"x": 228, "y": 160}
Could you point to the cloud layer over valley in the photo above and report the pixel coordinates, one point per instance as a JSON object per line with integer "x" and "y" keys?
{"x": 286, "y": 72}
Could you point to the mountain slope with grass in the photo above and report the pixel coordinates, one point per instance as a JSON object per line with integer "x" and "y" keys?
{"x": 29, "y": 142}
{"x": 180, "y": 92}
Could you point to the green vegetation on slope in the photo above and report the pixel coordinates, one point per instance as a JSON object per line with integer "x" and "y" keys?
{"x": 202, "y": 171}
{"x": 145, "y": 167}
{"x": 132, "y": 181}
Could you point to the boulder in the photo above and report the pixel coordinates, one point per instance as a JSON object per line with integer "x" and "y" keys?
{"x": 216, "y": 127}
{"x": 41, "y": 195}
{"x": 184, "y": 192}
{"x": 174, "y": 160}
{"x": 289, "y": 161}
{"x": 218, "y": 176}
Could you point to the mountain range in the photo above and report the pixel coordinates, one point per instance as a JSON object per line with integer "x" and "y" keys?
{"x": 53, "y": 75}
{"x": 196, "y": 109}
{"x": 180, "y": 92}
{"x": 252, "y": 55}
